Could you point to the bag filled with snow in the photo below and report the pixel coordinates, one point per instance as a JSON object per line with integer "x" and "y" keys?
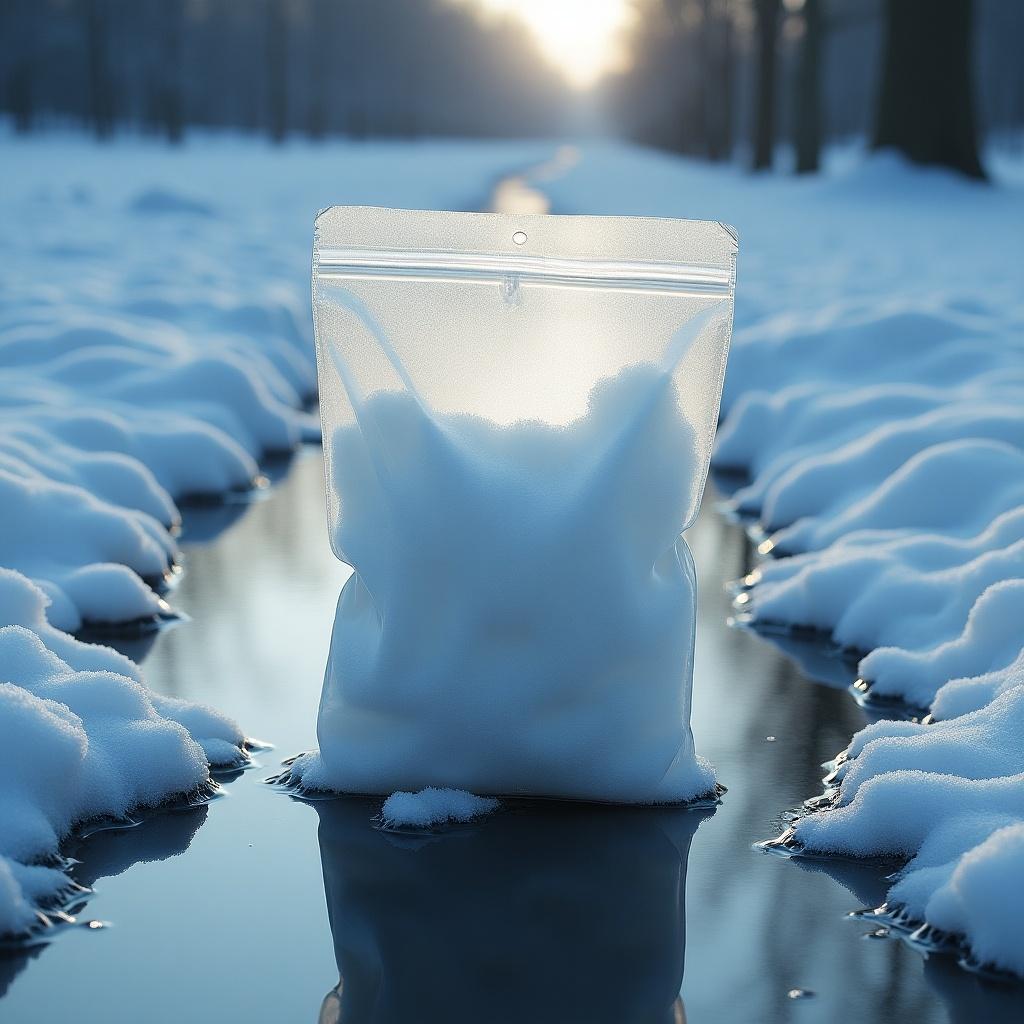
{"x": 518, "y": 414}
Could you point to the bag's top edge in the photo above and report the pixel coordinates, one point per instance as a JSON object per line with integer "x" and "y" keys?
{"x": 659, "y": 239}
{"x": 332, "y": 212}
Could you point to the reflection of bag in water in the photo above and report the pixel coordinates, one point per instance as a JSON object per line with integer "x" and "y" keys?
{"x": 515, "y": 437}
{"x": 555, "y": 914}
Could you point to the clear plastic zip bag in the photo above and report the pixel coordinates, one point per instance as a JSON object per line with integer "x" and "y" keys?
{"x": 518, "y": 415}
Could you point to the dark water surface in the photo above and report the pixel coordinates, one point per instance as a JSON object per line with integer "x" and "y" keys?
{"x": 548, "y": 913}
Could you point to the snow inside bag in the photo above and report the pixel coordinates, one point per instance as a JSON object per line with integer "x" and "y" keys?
{"x": 518, "y": 414}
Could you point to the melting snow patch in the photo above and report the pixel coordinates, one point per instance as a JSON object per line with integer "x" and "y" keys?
{"x": 885, "y": 459}
{"x": 982, "y": 900}
{"x": 969, "y": 693}
{"x": 949, "y": 796}
{"x": 82, "y": 738}
{"x": 147, "y": 368}
{"x": 990, "y": 640}
{"x": 873, "y": 404}
{"x": 155, "y": 338}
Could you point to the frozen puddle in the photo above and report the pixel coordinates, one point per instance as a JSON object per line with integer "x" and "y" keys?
{"x": 240, "y": 885}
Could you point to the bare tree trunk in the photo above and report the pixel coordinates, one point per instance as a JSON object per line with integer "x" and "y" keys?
{"x": 764, "y": 99}
{"x": 20, "y": 95}
{"x": 322, "y": 31}
{"x": 724, "y": 77}
{"x": 18, "y": 29}
{"x": 716, "y": 64}
{"x": 168, "y": 112}
{"x": 926, "y": 100}
{"x": 808, "y": 111}
{"x": 101, "y": 88}
{"x": 277, "y": 69}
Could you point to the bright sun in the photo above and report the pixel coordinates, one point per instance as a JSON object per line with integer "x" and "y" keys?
{"x": 583, "y": 38}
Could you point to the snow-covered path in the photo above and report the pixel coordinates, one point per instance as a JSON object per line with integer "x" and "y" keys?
{"x": 875, "y": 403}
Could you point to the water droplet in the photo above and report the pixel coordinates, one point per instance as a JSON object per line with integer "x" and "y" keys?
{"x": 800, "y": 993}
{"x": 878, "y": 933}
{"x": 519, "y": 237}
{"x": 95, "y": 926}
{"x": 769, "y": 739}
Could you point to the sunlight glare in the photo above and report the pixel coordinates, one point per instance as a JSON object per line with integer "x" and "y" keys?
{"x": 582, "y": 38}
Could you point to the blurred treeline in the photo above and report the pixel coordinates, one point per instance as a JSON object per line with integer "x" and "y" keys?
{"x": 310, "y": 67}
{"x": 714, "y": 78}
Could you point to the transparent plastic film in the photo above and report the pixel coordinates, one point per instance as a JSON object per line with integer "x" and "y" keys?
{"x": 518, "y": 414}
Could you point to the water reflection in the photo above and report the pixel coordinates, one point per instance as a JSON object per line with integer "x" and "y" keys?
{"x": 542, "y": 913}
{"x": 816, "y": 659}
{"x": 968, "y": 998}
{"x": 111, "y": 852}
{"x": 203, "y": 523}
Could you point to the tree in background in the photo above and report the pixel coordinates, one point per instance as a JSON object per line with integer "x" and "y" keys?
{"x": 17, "y": 25}
{"x": 767, "y": 22}
{"x": 166, "y": 104}
{"x": 925, "y": 106}
{"x": 677, "y": 90}
{"x": 277, "y": 70}
{"x": 102, "y": 112}
{"x": 808, "y": 85}
{"x": 325, "y": 16}
{"x": 441, "y": 67}
{"x": 718, "y": 71}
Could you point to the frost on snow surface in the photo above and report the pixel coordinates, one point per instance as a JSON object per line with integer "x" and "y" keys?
{"x": 153, "y": 347}
{"x": 874, "y": 416}
{"x": 432, "y": 807}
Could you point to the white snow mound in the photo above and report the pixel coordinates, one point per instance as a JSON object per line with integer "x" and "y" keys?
{"x": 81, "y": 738}
{"x": 432, "y": 807}
{"x": 873, "y": 403}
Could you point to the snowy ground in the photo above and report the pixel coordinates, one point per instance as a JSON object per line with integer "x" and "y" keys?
{"x": 153, "y": 347}
{"x": 873, "y": 412}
